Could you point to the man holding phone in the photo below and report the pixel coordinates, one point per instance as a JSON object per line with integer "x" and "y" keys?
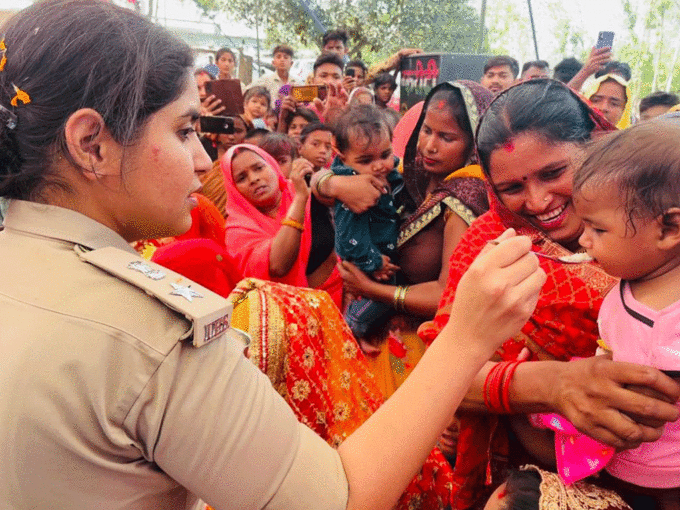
{"x": 600, "y": 55}
{"x": 355, "y": 75}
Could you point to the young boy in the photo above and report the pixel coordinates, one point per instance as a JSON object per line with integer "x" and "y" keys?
{"x": 316, "y": 141}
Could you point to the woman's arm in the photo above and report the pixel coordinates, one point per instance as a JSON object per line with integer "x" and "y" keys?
{"x": 358, "y": 192}
{"x": 591, "y": 393}
{"x": 423, "y": 298}
{"x": 285, "y": 247}
{"x": 496, "y": 296}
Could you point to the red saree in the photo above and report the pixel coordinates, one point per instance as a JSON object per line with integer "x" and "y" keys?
{"x": 563, "y": 325}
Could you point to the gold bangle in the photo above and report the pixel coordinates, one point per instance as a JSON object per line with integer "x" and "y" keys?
{"x": 289, "y": 222}
{"x": 321, "y": 180}
{"x": 395, "y": 299}
{"x": 400, "y": 298}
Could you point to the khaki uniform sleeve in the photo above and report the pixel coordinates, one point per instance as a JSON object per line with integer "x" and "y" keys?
{"x": 227, "y": 436}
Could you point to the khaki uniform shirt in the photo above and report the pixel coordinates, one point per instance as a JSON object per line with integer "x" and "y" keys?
{"x": 103, "y": 406}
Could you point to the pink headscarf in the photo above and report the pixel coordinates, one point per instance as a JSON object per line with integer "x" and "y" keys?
{"x": 249, "y": 233}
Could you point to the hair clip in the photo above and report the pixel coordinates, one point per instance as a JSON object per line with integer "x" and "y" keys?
{"x": 19, "y": 95}
{"x": 11, "y": 122}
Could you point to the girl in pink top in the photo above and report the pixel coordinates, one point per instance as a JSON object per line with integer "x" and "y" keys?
{"x": 628, "y": 195}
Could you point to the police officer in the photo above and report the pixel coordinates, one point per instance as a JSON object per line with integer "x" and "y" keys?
{"x": 121, "y": 385}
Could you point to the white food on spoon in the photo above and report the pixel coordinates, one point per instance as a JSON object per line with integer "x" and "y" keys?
{"x": 576, "y": 258}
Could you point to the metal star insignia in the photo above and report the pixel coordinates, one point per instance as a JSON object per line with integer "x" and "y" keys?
{"x": 186, "y": 292}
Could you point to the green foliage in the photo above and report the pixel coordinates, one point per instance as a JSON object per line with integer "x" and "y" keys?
{"x": 376, "y": 27}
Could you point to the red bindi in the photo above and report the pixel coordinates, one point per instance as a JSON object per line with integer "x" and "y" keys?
{"x": 509, "y": 146}
{"x": 441, "y": 104}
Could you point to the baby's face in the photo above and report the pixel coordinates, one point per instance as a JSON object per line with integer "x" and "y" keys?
{"x": 625, "y": 247}
{"x": 373, "y": 157}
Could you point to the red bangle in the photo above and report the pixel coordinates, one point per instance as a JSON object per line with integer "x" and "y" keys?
{"x": 505, "y": 387}
{"x": 492, "y": 387}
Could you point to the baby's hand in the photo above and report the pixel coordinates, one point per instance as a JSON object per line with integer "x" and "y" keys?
{"x": 387, "y": 271}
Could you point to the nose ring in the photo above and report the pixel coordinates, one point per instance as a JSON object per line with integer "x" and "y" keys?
{"x": 545, "y": 199}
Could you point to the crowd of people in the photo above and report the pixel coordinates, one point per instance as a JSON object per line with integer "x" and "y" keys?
{"x": 270, "y": 302}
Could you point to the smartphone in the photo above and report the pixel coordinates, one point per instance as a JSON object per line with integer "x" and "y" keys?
{"x": 229, "y": 92}
{"x": 605, "y": 40}
{"x": 350, "y": 71}
{"x": 307, "y": 93}
{"x": 217, "y": 125}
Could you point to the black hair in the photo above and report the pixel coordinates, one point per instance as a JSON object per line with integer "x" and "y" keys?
{"x": 279, "y": 144}
{"x": 312, "y": 128}
{"x": 542, "y": 106}
{"x": 283, "y": 48}
{"x": 385, "y": 79}
{"x": 364, "y": 121}
{"x": 503, "y": 60}
{"x": 615, "y": 67}
{"x": 522, "y": 490}
{"x": 258, "y": 91}
{"x": 255, "y": 132}
{"x": 659, "y": 98}
{"x": 643, "y": 162}
{"x": 335, "y": 35}
{"x": 305, "y": 113}
{"x": 540, "y": 64}
{"x": 357, "y": 63}
{"x": 567, "y": 69}
{"x": 199, "y": 72}
{"x": 86, "y": 54}
{"x": 222, "y": 51}
{"x": 453, "y": 99}
{"x": 328, "y": 57}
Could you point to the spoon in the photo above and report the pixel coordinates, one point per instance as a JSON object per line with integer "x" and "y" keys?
{"x": 574, "y": 258}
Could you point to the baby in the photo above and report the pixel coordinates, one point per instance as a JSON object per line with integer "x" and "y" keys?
{"x": 628, "y": 194}
{"x": 363, "y": 143}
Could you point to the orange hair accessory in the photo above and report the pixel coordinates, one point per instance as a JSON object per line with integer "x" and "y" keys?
{"x": 3, "y": 49}
{"x": 19, "y": 95}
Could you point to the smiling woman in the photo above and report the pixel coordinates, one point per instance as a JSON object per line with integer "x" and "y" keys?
{"x": 529, "y": 142}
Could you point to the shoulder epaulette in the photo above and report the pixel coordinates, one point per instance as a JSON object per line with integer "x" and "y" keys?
{"x": 209, "y": 313}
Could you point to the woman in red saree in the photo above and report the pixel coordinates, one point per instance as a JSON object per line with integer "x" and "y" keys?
{"x": 273, "y": 241}
{"x": 529, "y": 142}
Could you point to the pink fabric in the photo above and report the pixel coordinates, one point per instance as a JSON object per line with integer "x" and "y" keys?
{"x": 655, "y": 465}
{"x": 249, "y": 233}
{"x": 578, "y": 456}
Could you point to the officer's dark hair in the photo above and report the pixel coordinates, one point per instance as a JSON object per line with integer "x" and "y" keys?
{"x": 659, "y": 98}
{"x": 335, "y": 35}
{"x": 542, "y": 106}
{"x": 567, "y": 69}
{"x": 503, "y": 60}
{"x": 73, "y": 54}
{"x": 328, "y": 57}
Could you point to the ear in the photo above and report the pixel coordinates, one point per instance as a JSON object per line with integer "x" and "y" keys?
{"x": 669, "y": 229}
{"x": 90, "y": 144}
